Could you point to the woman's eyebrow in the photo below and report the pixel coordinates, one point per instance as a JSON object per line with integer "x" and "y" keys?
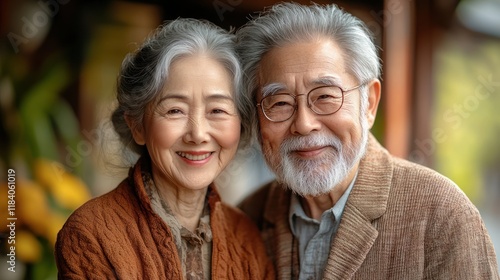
{"x": 172, "y": 96}
{"x": 181, "y": 97}
{"x": 219, "y": 96}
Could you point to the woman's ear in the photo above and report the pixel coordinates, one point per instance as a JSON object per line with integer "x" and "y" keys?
{"x": 374, "y": 91}
{"x": 136, "y": 129}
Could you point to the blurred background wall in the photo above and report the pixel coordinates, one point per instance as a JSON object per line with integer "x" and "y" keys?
{"x": 59, "y": 61}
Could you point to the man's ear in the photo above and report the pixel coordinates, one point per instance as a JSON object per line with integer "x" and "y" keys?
{"x": 374, "y": 91}
{"x": 136, "y": 129}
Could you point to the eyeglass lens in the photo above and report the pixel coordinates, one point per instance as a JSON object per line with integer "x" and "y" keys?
{"x": 322, "y": 100}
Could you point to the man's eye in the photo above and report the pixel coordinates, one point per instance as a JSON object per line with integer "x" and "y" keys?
{"x": 280, "y": 104}
{"x": 326, "y": 96}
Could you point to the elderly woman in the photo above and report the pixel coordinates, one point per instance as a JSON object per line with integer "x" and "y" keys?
{"x": 180, "y": 109}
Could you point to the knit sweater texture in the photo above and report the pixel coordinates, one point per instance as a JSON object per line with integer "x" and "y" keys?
{"x": 119, "y": 236}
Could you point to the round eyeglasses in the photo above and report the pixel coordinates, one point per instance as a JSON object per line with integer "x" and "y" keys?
{"x": 322, "y": 100}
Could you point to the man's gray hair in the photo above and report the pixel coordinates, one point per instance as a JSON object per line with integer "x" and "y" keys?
{"x": 286, "y": 23}
{"x": 143, "y": 73}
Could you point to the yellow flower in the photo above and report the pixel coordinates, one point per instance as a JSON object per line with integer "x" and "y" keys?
{"x": 47, "y": 172}
{"x": 28, "y": 248}
{"x": 68, "y": 190}
{"x": 32, "y": 207}
{"x": 54, "y": 225}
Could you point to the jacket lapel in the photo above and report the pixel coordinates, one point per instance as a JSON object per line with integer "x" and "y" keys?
{"x": 366, "y": 203}
{"x": 277, "y": 234}
{"x": 352, "y": 243}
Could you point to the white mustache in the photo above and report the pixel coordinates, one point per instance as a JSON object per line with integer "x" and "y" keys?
{"x": 315, "y": 140}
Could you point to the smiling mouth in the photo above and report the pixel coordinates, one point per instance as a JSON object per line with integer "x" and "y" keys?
{"x": 309, "y": 152}
{"x": 308, "y": 149}
{"x": 195, "y": 157}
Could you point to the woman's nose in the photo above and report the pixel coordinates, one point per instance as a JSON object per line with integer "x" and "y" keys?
{"x": 198, "y": 128}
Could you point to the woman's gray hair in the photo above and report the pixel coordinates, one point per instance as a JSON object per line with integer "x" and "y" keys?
{"x": 143, "y": 72}
{"x": 286, "y": 23}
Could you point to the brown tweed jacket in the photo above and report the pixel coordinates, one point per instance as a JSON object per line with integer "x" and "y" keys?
{"x": 401, "y": 221}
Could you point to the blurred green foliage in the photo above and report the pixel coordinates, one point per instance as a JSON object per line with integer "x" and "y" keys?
{"x": 467, "y": 111}
{"x": 38, "y": 124}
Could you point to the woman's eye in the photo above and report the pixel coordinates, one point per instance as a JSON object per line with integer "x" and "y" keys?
{"x": 218, "y": 111}
{"x": 174, "y": 112}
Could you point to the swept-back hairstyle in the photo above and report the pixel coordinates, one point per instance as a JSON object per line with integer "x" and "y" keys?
{"x": 143, "y": 72}
{"x": 286, "y": 23}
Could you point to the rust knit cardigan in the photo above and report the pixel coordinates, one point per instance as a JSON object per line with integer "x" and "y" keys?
{"x": 119, "y": 236}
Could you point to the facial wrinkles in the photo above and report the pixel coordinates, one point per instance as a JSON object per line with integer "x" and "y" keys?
{"x": 171, "y": 173}
{"x": 314, "y": 177}
{"x": 197, "y": 86}
{"x": 166, "y": 170}
{"x": 300, "y": 78}
{"x": 198, "y": 120}
{"x": 298, "y": 72}
{"x": 300, "y": 81}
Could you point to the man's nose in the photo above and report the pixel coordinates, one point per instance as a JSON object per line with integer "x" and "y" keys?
{"x": 305, "y": 120}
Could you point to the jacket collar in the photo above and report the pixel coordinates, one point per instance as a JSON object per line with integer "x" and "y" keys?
{"x": 371, "y": 189}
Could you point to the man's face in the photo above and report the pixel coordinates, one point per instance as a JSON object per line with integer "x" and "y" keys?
{"x": 311, "y": 153}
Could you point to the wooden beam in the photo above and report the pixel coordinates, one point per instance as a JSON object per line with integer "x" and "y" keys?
{"x": 398, "y": 72}
{"x": 424, "y": 85}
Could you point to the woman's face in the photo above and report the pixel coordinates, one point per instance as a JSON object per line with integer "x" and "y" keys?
{"x": 193, "y": 131}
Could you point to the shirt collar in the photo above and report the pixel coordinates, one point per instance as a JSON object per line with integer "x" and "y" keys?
{"x": 296, "y": 209}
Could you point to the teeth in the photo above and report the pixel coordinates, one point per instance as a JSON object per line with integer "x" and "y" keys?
{"x": 194, "y": 157}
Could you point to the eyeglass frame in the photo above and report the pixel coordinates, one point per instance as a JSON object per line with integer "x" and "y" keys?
{"x": 343, "y": 91}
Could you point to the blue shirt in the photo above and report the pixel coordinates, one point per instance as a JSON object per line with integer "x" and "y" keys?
{"x": 314, "y": 236}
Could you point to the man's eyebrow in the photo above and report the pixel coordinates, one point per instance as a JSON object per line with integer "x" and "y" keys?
{"x": 327, "y": 81}
{"x": 272, "y": 88}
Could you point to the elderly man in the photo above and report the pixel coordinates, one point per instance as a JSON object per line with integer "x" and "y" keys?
{"x": 342, "y": 207}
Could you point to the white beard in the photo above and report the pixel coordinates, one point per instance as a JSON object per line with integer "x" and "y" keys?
{"x": 318, "y": 176}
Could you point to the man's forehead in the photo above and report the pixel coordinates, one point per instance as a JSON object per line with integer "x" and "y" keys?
{"x": 304, "y": 60}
